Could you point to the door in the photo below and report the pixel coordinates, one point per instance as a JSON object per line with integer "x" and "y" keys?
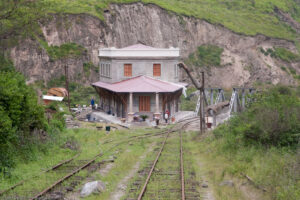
{"x": 144, "y": 103}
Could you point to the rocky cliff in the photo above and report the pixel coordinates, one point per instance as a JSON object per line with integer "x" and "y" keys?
{"x": 242, "y": 64}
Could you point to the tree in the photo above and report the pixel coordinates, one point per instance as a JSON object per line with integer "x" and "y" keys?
{"x": 18, "y": 18}
{"x": 20, "y": 115}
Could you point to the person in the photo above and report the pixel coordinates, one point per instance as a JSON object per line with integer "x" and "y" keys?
{"x": 167, "y": 113}
{"x": 93, "y": 103}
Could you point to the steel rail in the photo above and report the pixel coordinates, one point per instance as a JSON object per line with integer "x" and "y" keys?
{"x": 50, "y": 169}
{"x": 182, "y": 169}
{"x": 91, "y": 161}
{"x": 141, "y": 194}
{"x": 152, "y": 168}
{"x": 65, "y": 177}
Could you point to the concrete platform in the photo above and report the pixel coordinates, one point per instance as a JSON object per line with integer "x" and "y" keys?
{"x": 102, "y": 116}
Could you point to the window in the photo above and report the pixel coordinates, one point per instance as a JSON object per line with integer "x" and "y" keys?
{"x": 105, "y": 70}
{"x": 144, "y": 103}
{"x": 156, "y": 69}
{"x": 176, "y": 70}
{"x": 128, "y": 70}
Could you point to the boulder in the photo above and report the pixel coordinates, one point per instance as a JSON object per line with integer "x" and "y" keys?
{"x": 227, "y": 183}
{"x": 92, "y": 187}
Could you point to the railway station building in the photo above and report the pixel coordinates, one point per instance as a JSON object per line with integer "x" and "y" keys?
{"x": 139, "y": 80}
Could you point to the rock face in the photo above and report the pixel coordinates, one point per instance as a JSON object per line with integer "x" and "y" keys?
{"x": 127, "y": 24}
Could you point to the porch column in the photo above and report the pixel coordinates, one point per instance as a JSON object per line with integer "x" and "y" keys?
{"x": 130, "y": 113}
{"x": 157, "y": 113}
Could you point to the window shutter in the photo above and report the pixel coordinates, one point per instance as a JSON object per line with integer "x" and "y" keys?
{"x": 128, "y": 70}
{"x": 156, "y": 70}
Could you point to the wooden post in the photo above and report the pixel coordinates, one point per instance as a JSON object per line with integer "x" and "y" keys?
{"x": 67, "y": 85}
{"x": 201, "y": 104}
{"x": 202, "y": 95}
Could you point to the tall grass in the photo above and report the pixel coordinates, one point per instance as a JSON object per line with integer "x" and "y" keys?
{"x": 263, "y": 142}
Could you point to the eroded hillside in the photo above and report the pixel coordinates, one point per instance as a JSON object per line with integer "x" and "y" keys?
{"x": 242, "y": 61}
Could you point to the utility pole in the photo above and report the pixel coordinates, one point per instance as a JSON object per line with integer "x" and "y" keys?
{"x": 67, "y": 84}
{"x": 202, "y": 95}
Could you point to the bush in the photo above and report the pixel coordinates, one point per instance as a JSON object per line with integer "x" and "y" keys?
{"x": 272, "y": 120}
{"x": 20, "y": 115}
{"x": 188, "y": 103}
{"x": 206, "y": 56}
{"x": 67, "y": 50}
{"x": 286, "y": 55}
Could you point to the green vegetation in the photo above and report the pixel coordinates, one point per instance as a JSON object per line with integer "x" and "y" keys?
{"x": 25, "y": 134}
{"x": 273, "y": 119}
{"x": 188, "y": 103}
{"x": 286, "y": 55}
{"x": 67, "y": 50}
{"x": 241, "y": 16}
{"x": 281, "y": 53}
{"x": 17, "y": 19}
{"x": 261, "y": 142}
{"x": 79, "y": 93}
{"x": 206, "y": 56}
{"x": 89, "y": 142}
{"x": 20, "y": 116}
{"x": 88, "y": 67}
{"x": 284, "y": 68}
{"x": 6, "y": 65}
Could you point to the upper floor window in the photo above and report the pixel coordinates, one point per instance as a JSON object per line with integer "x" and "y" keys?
{"x": 176, "y": 70}
{"x": 156, "y": 69}
{"x": 105, "y": 69}
{"x": 128, "y": 70}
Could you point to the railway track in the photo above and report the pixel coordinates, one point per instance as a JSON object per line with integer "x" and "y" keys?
{"x": 164, "y": 178}
{"x": 68, "y": 168}
{"x": 72, "y": 166}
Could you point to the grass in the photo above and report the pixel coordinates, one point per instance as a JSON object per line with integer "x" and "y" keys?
{"x": 91, "y": 142}
{"x": 272, "y": 169}
{"x": 206, "y": 56}
{"x": 206, "y": 159}
{"x": 67, "y": 50}
{"x": 286, "y": 55}
{"x": 241, "y": 16}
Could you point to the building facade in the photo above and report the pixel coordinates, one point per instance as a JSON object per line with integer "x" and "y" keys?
{"x": 139, "y": 80}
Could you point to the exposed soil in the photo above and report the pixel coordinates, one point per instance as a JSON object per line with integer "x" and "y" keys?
{"x": 122, "y": 186}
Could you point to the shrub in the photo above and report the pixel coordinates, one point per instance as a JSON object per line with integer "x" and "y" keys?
{"x": 6, "y": 65}
{"x": 188, "y": 103}
{"x": 283, "y": 68}
{"x": 292, "y": 70}
{"x": 272, "y": 120}
{"x": 20, "y": 115}
{"x": 67, "y": 50}
{"x": 286, "y": 55}
{"x": 206, "y": 56}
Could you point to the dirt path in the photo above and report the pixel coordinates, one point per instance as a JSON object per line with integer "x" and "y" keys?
{"x": 122, "y": 186}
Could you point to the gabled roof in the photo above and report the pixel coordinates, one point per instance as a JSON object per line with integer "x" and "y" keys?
{"x": 140, "y": 84}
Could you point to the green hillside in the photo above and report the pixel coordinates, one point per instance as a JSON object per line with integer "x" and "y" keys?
{"x": 249, "y": 17}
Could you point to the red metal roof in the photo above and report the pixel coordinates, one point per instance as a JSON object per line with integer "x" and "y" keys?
{"x": 140, "y": 84}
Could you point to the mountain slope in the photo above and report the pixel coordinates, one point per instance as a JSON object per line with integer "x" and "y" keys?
{"x": 242, "y": 62}
{"x": 249, "y": 17}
